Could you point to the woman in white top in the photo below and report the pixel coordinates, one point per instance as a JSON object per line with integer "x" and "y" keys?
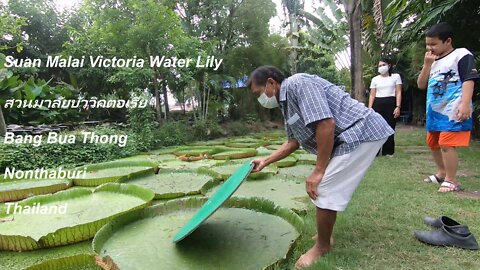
{"x": 386, "y": 99}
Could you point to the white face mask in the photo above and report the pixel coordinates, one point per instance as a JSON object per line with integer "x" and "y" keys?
{"x": 383, "y": 70}
{"x": 268, "y": 102}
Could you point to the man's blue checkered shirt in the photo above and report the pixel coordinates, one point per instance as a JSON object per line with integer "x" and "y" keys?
{"x": 305, "y": 99}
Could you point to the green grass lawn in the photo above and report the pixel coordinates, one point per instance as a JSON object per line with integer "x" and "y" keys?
{"x": 376, "y": 230}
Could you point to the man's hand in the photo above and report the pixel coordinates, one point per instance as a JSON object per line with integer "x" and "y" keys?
{"x": 260, "y": 163}
{"x": 312, "y": 183}
{"x": 396, "y": 112}
{"x": 463, "y": 112}
{"x": 429, "y": 58}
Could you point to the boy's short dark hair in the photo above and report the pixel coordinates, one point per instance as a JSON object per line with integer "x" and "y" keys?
{"x": 441, "y": 30}
{"x": 260, "y": 75}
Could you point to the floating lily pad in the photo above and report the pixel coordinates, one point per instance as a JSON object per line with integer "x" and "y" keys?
{"x": 305, "y": 157}
{"x": 235, "y": 153}
{"x": 300, "y": 170}
{"x": 20, "y": 260}
{"x": 193, "y": 165}
{"x": 259, "y": 237}
{"x": 209, "y": 143}
{"x": 286, "y": 162}
{"x": 21, "y": 189}
{"x": 288, "y": 193}
{"x": 162, "y": 151}
{"x": 76, "y": 262}
{"x": 85, "y": 213}
{"x": 235, "y": 144}
{"x": 273, "y": 146}
{"x": 195, "y": 151}
{"x": 153, "y": 158}
{"x": 101, "y": 173}
{"x": 262, "y": 151}
{"x": 226, "y": 169}
{"x": 169, "y": 184}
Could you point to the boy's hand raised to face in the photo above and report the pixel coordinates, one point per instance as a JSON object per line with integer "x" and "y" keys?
{"x": 429, "y": 58}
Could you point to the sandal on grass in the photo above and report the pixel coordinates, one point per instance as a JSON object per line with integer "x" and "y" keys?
{"x": 448, "y": 186}
{"x": 433, "y": 179}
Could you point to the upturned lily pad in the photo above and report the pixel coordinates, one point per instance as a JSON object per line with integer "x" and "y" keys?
{"x": 114, "y": 171}
{"x": 229, "y": 153}
{"x": 235, "y": 144}
{"x": 285, "y": 192}
{"x": 79, "y": 214}
{"x": 226, "y": 169}
{"x": 286, "y": 162}
{"x": 21, "y": 189}
{"x": 170, "y": 184}
{"x": 258, "y": 237}
{"x": 76, "y": 262}
{"x": 300, "y": 170}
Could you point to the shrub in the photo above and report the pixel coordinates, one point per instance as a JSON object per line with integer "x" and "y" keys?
{"x": 173, "y": 133}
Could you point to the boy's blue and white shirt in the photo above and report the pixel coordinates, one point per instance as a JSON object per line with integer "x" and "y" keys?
{"x": 445, "y": 90}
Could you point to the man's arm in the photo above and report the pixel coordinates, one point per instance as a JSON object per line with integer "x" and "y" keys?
{"x": 286, "y": 149}
{"x": 324, "y": 136}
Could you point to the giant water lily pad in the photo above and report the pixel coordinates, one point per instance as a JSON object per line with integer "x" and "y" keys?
{"x": 300, "y": 170}
{"x": 192, "y": 165}
{"x": 288, "y": 193}
{"x": 226, "y": 169}
{"x": 114, "y": 171}
{"x": 229, "y": 153}
{"x": 153, "y": 158}
{"x": 286, "y": 162}
{"x": 20, "y": 260}
{"x": 234, "y": 238}
{"x": 21, "y": 189}
{"x": 85, "y": 212}
{"x": 188, "y": 151}
{"x": 169, "y": 184}
{"x": 76, "y": 262}
{"x": 306, "y": 158}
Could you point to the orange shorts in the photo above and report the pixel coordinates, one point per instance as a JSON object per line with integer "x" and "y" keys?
{"x": 436, "y": 139}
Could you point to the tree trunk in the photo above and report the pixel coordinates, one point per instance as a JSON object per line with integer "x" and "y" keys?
{"x": 165, "y": 98}
{"x": 354, "y": 13}
{"x": 158, "y": 106}
{"x": 3, "y": 126}
{"x": 293, "y": 43}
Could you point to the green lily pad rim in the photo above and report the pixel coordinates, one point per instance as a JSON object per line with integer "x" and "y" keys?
{"x": 79, "y": 232}
{"x": 253, "y": 203}
{"x": 78, "y": 260}
{"x": 213, "y": 182}
{"x": 20, "y": 194}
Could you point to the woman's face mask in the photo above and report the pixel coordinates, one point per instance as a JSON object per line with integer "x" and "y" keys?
{"x": 267, "y": 102}
{"x": 383, "y": 70}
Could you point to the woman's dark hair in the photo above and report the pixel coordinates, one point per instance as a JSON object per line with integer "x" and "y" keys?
{"x": 389, "y": 62}
{"x": 260, "y": 75}
{"x": 442, "y": 31}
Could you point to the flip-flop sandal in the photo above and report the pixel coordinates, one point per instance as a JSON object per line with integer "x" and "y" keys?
{"x": 450, "y": 186}
{"x": 433, "y": 179}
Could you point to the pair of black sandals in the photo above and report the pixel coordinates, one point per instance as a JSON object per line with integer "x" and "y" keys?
{"x": 448, "y": 232}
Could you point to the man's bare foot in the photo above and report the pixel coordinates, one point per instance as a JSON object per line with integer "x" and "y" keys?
{"x": 311, "y": 256}
{"x": 314, "y": 238}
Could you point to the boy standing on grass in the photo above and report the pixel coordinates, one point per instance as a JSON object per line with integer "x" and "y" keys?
{"x": 448, "y": 74}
